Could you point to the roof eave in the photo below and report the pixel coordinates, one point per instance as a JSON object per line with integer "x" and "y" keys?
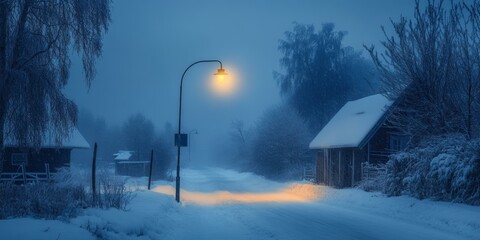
{"x": 334, "y": 146}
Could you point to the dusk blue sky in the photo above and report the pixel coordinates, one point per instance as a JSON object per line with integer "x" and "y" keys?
{"x": 150, "y": 43}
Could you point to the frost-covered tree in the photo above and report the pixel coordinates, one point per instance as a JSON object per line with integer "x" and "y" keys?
{"x": 432, "y": 62}
{"x": 139, "y": 135}
{"x": 320, "y": 74}
{"x": 163, "y": 152}
{"x": 280, "y": 144}
{"x": 36, "y": 38}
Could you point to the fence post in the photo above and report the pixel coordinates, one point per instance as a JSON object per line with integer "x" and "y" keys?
{"x": 24, "y": 174}
{"x": 150, "y": 173}
{"x": 94, "y": 163}
{"x": 47, "y": 171}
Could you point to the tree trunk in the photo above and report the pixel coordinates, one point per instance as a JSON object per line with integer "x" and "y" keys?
{"x": 4, "y": 6}
{"x": 22, "y": 21}
{"x": 2, "y": 130}
{"x": 5, "y": 65}
{"x": 3, "y": 39}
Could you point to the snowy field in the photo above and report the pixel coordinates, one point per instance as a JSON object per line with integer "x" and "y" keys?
{"x": 223, "y": 204}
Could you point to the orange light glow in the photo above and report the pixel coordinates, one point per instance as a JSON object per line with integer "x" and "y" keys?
{"x": 293, "y": 193}
{"x": 223, "y": 83}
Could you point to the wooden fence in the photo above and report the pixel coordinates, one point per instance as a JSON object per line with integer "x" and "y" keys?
{"x": 309, "y": 173}
{"x": 26, "y": 177}
{"x": 370, "y": 171}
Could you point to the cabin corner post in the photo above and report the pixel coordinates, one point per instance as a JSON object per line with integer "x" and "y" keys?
{"x": 326, "y": 174}
{"x": 353, "y": 167}
{"x": 340, "y": 172}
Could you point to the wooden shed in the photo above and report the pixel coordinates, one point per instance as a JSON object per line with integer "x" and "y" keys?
{"x": 357, "y": 134}
{"x": 26, "y": 163}
{"x": 127, "y": 165}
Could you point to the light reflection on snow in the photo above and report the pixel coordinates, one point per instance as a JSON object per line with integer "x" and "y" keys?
{"x": 297, "y": 192}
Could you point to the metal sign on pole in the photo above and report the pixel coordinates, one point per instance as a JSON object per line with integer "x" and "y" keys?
{"x": 182, "y": 139}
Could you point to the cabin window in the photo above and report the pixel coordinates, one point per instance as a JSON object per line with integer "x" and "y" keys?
{"x": 398, "y": 142}
{"x": 19, "y": 158}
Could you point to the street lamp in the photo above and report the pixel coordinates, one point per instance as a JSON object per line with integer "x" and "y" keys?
{"x": 220, "y": 74}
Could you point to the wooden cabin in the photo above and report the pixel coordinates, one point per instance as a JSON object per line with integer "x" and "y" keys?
{"x": 127, "y": 165}
{"x": 357, "y": 134}
{"x": 26, "y": 163}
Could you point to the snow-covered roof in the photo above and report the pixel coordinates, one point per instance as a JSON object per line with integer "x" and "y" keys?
{"x": 123, "y": 155}
{"x": 352, "y": 123}
{"x": 75, "y": 140}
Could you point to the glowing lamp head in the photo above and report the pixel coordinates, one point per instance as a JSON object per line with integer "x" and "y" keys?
{"x": 222, "y": 83}
{"x": 220, "y": 74}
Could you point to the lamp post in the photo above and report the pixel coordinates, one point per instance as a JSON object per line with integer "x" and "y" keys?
{"x": 220, "y": 72}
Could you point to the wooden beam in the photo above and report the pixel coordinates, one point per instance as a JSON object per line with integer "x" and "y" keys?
{"x": 353, "y": 167}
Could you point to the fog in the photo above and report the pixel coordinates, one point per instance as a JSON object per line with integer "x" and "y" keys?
{"x": 150, "y": 43}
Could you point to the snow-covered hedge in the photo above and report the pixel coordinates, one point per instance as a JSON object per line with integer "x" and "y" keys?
{"x": 41, "y": 200}
{"x": 63, "y": 197}
{"x": 442, "y": 168}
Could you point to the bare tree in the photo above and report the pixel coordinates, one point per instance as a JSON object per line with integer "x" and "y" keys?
{"x": 35, "y": 41}
{"x": 239, "y": 145}
{"x": 238, "y": 131}
{"x": 430, "y": 63}
{"x": 468, "y": 54}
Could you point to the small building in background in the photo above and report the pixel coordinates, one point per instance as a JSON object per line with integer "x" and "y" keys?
{"x": 29, "y": 163}
{"x": 126, "y": 165}
{"x": 357, "y": 136}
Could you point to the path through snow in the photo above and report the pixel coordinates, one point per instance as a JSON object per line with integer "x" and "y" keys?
{"x": 331, "y": 214}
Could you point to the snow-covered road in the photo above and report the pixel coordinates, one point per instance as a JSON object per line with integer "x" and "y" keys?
{"x": 320, "y": 219}
{"x": 224, "y": 204}
{"x": 294, "y": 221}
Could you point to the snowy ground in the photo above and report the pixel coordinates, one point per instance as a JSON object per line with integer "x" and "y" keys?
{"x": 223, "y": 204}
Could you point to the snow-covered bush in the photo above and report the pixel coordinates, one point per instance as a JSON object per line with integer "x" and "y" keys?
{"x": 375, "y": 181}
{"x": 442, "y": 168}
{"x": 113, "y": 193}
